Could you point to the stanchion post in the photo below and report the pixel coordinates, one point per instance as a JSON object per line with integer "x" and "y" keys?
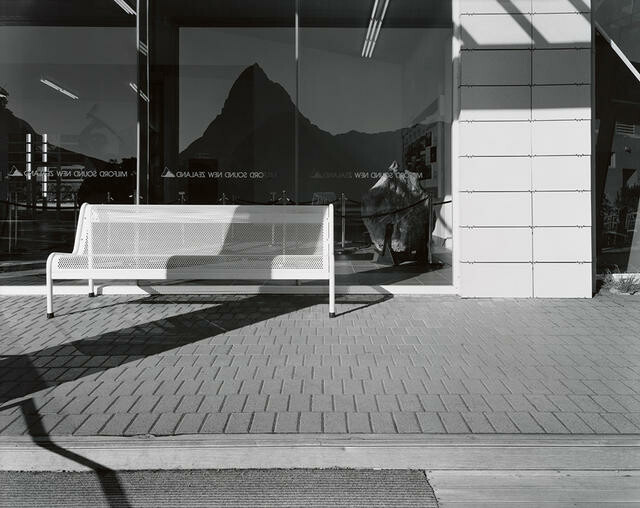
{"x": 429, "y": 232}
{"x": 273, "y": 226}
{"x": 15, "y": 220}
{"x": 344, "y": 218}
{"x": 74, "y": 196}
{"x": 10, "y": 217}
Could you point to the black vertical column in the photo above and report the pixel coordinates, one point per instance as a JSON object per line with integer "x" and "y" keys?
{"x": 164, "y": 109}
{"x": 142, "y": 40}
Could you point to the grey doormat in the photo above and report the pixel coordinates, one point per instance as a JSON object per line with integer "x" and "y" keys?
{"x": 228, "y": 488}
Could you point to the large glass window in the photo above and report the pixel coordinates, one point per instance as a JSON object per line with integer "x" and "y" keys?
{"x": 618, "y": 135}
{"x": 67, "y": 123}
{"x": 374, "y": 92}
{"x": 231, "y": 101}
{"x": 312, "y": 102}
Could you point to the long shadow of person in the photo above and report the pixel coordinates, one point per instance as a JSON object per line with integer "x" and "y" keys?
{"x": 110, "y": 484}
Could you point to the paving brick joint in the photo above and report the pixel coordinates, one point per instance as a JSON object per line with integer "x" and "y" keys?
{"x": 172, "y": 365}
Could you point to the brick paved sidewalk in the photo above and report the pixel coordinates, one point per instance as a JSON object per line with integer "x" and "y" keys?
{"x": 168, "y": 365}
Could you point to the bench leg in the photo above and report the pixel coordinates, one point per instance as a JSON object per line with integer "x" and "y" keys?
{"x": 49, "y": 294}
{"x": 332, "y": 296}
{"x": 91, "y": 291}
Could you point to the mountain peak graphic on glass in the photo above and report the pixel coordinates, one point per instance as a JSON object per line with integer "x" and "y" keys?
{"x": 14, "y": 171}
{"x": 255, "y": 131}
{"x": 167, "y": 173}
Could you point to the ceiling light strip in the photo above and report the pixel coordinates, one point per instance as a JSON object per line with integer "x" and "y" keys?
{"x": 125, "y": 7}
{"x": 58, "y": 88}
{"x": 377, "y": 29}
{"x": 367, "y": 37}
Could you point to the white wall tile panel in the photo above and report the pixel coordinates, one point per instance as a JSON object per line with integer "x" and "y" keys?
{"x": 568, "y": 173}
{"x": 496, "y": 244}
{"x": 561, "y": 66}
{"x": 495, "y": 103}
{"x": 562, "y": 30}
{"x": 563, "y": 102}
{"x": 495, "y": 138}
{"x": 494, "y": 6}
{"x": 496, "y": 31}
{"x": 562, "y": 244}
{"x": 561, "y": 5}
{"x": 496, "y": 67}
{"x": 561, "y": 137}
{"x": 496, "y": 280}
{"x": 562, "y": 209}
{"x": 495, "y": 173}
{"x": 495, "y": 209}
{"x": 562, "y": 280}
{"x": 525, "y": 125}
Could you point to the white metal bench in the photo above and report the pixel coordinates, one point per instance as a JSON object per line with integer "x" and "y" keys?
{"x": 162, "y": 242}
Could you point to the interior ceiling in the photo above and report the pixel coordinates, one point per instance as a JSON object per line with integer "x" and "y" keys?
{"x": 327, "y": 13}
{"x": 64, "y": 13}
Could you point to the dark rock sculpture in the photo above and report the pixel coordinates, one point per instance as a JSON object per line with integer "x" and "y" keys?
{"x": 395, "y": 212}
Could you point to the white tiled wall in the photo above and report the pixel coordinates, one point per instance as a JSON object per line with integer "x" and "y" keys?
{"x": 571, "y": 30}
{"x": 562, "y": 280}
{"x": 495, "y": 103}
{"x": 561, "y": 137}
{"x": 561, "y": 173}
{"x": 496, "y": 67}
{"x": 560, "y": 102}
{"x": 496, "y": 30}
{"x": 495, "y": 138}
{"x": 490, "y": 173}
{"x": 496, "y": 279}
{"x": 495, "y": 6}
{"x": 504, "y": 245}
{"x": 561, "y": 66}
{"x": 562, "y": 245}
{"x": 525, "y": 148}
{"x": 487, "y": 209}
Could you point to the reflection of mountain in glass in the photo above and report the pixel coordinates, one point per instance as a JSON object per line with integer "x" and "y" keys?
{"x": 255, "y": 131}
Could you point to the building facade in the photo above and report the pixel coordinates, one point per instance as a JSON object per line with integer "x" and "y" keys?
{"x": 513, "y": 125}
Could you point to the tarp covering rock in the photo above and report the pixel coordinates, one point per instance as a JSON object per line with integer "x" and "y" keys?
{"x": 395, "y": 212}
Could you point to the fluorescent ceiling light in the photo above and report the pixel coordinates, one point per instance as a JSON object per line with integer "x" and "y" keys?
{"x": 134, "y": 87}
{"x": 367, "y": 37}
{"x": 125, "y": 6}
{"x": 374, "y": 30}
{"x": 58, "y": 88}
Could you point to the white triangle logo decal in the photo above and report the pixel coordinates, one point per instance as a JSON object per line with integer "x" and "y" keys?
{"x": 167, "y": 173}
{"x": 15, "y": 172}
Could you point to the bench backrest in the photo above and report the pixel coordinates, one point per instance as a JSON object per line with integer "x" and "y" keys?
{"x": 247, "y": 237}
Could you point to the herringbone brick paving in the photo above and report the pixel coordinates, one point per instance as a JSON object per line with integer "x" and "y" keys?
{"x": 168, "y": 365}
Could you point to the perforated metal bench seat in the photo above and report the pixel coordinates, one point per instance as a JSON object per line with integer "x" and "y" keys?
{"x": 163, "y": 242}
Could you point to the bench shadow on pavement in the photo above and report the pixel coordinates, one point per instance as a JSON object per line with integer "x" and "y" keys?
{"x": 24, "y": 375}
